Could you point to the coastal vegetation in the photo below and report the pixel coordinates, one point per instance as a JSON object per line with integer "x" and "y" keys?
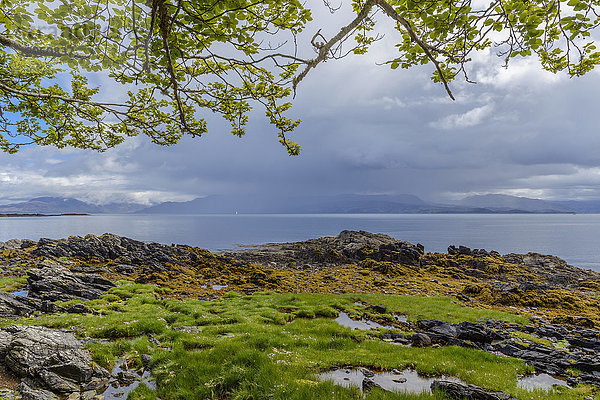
{"x": 236, "y": 326}
{"x": 270, "y": 345}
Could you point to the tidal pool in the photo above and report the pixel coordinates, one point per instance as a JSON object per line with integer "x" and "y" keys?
{"x": 363, "y": 325}
{"x": 115, "y": 391}
{"x": 539, "y": 381}
{"x": 407, "y": 381}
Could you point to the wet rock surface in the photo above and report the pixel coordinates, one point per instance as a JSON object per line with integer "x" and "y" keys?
{"x": 48, "y": 361}
{"x": 576, "y": 351}
{"x": 459, "y": 391}
{"x": 551, "y": 349}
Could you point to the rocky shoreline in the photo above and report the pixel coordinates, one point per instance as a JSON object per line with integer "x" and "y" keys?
{"x": 61, "y": 277}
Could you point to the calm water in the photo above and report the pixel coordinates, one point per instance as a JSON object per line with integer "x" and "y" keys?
{"x": 576, "y": 238}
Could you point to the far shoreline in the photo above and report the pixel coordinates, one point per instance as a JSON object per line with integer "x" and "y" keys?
{"x": 42, "y": 215}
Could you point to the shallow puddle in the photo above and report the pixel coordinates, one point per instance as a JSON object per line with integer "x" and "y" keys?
{"x": 401, "y": 318}
{"x": 407, "y": 381}
{"x": 115, "y": 391}
{"x": 21, "y": 293}
{"x": 219, "y": 287}
{"x": 363, "y": 325}
{"x": 539, "y": 381}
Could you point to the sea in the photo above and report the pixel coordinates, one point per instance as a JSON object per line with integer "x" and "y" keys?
{"x": 572, "y": 237}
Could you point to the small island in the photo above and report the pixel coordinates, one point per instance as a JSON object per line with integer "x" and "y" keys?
{"x": 353, "y": 315}
{"x": 42, "y": 215}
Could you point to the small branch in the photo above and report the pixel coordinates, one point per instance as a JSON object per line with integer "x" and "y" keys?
{"x": 165, "y": 31}
{"x": 59, "y": 97}
{"x": 326, "y": 47}
{"x": 37, "y": 51}
{"x": 389, "y": 10}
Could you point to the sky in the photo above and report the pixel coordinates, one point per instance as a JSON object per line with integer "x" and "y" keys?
{"x": 366, "y": 129}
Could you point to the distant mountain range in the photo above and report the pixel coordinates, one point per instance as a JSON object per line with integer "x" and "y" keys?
{"x": 59, "y": 205}
{"x": 340, "y": 204}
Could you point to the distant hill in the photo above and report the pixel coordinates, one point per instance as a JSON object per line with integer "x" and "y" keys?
{"x": 337, "y": 204}
{"x": 291, "y": 204}
{"x": 60, "y": 205}
{"x": 580, "y": 206}
{"x": 343, "y": 204}
{"x": 506, "y": 203}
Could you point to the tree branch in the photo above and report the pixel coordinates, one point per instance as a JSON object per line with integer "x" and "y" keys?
{"x": 389, "y": 10}
{"x": 37, "y": 51}
{"x": 325, "y": 48}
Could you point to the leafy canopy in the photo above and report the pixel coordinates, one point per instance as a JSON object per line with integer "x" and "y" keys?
{"x": 177, "y": 59}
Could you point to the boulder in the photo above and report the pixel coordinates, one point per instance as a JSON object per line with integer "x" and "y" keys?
{"x": 444, "y": 329}
{"x": 368, "y": 384}
{"x": 52, "y": 358}
{"x": 380, "y": 309}
{"x": 420, "y": 340}
{"x": 477, "y": 333}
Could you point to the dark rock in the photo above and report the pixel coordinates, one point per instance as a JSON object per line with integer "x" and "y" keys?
{"x": 476, "y": 333}
{"x": 420, "y": 340}
{"x": 31, "y": 393}
{"x": 113, "y": 247}
{"x": 80, "y": 309}
{"x": 378, "y": 309}
{"x": 459, "y": 391}
{"x": 126, "y": 378}
{"x": 146, "y": 360}
{"x": 13, "y": 307}
{"x": 55, "y": 284}
{"x": 54, "y": 359}
{"x": 11, "y": 244}
{"x": 367, "y": 372}
{"x": 368, "y": 384}
{"x": 348, "y": 246}
{"x": 445, "y": 329}
{"x": 27, "y": 243}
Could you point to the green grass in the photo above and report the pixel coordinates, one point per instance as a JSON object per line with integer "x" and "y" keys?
{"x": 11, "y": 284}
{"x": 270, "y": 345}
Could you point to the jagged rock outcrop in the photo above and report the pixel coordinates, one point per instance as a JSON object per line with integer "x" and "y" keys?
{"x": 348, "y": 246}
{"x": 554, "y": 270}
{"x": 457, "y": 334}
{"x": 55, "y": 283}
{"x": 113, "y": 247}
{"x": 50, "y": 359}
{"x": 13, "y": 307}
{"x": 463, "y": 250}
